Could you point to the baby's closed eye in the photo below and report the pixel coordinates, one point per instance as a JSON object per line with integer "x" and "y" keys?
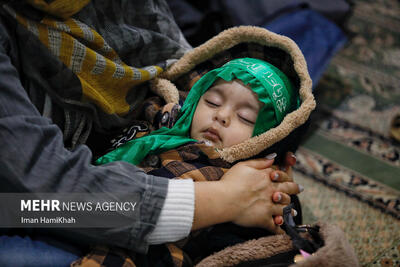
{"x": 212, "y": 103}
{"x": 247, "y": 116}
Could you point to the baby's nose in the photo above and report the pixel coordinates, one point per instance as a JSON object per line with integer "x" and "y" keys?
{"x": 223, "y": 116}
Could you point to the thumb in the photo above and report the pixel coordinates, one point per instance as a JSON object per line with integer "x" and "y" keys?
{"x": 261, "y": 163}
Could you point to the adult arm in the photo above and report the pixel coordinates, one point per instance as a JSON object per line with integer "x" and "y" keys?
{"x": 33, "y": 159}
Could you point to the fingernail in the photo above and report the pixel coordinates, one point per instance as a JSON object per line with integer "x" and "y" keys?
{"x": 301, "y": 188}
{"x": 279, "y": 198}
{"x": 294, "y": 213}
{"x": 294, "y": 159}
{"x": 271, "y": 156}
{"x": 276, "y": 177}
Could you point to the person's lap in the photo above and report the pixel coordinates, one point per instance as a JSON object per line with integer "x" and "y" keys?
{"x": 24, "y": 251}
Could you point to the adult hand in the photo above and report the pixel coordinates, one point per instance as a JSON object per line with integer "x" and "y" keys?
{"x": 243, "y": 196}
{"x": 283, "y": 173}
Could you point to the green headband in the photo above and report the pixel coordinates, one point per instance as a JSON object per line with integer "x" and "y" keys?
{"x": 272, "y": 87}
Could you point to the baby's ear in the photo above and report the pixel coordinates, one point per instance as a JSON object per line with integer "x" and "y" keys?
{"x": 169, "y": 115}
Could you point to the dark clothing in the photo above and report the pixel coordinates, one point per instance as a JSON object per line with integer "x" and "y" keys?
{"x": 33, "y": 157}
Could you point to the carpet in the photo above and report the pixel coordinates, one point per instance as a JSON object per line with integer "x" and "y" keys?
{"x": 349, "y": 163}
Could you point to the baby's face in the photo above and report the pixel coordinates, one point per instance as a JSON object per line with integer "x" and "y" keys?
{"x": 225, "y": 114}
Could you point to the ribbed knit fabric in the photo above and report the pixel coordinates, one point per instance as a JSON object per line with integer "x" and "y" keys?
{"x": 176, "y": 217}
{"x": 105, "y": 79}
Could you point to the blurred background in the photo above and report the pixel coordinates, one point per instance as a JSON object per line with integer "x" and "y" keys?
{"x": 349, "y": 163}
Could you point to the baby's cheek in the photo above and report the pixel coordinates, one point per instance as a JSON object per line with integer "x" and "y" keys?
{"x": 239, "y": 135}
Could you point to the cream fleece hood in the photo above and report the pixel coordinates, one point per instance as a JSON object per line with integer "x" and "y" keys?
{"x": 237, "y": 42}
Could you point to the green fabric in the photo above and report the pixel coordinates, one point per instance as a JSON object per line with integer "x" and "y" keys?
{"x": 269, "y": 83}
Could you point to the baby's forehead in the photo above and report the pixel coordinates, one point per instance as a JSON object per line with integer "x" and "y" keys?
{"x": 221, "y": 82}
{"x": 219, "y": 85}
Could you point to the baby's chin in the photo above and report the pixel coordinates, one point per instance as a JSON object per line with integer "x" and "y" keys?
{"x": 210, "y": 143}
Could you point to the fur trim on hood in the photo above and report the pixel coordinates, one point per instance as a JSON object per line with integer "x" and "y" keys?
{"x": 336, "y": 251}
{"x": 244, "y": 41}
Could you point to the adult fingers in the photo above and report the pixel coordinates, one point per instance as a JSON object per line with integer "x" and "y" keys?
{"x": 262, "y": 163}
{"x": 278, "y": 220}
{"x": 272, "y": 226}
{"x": 276, "y": 227}
{"x": 289, "y": 188}
{"x": 281, "y": 198}
{"x": 280, "y": 176}
{"x": 277, "y": 209}
{"x": 290, "y": 160}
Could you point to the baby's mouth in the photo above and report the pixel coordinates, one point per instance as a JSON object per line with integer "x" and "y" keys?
{"x": 212, "y": 135}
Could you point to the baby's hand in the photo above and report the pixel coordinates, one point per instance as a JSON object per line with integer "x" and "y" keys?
{"x": 169, "y": 114}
